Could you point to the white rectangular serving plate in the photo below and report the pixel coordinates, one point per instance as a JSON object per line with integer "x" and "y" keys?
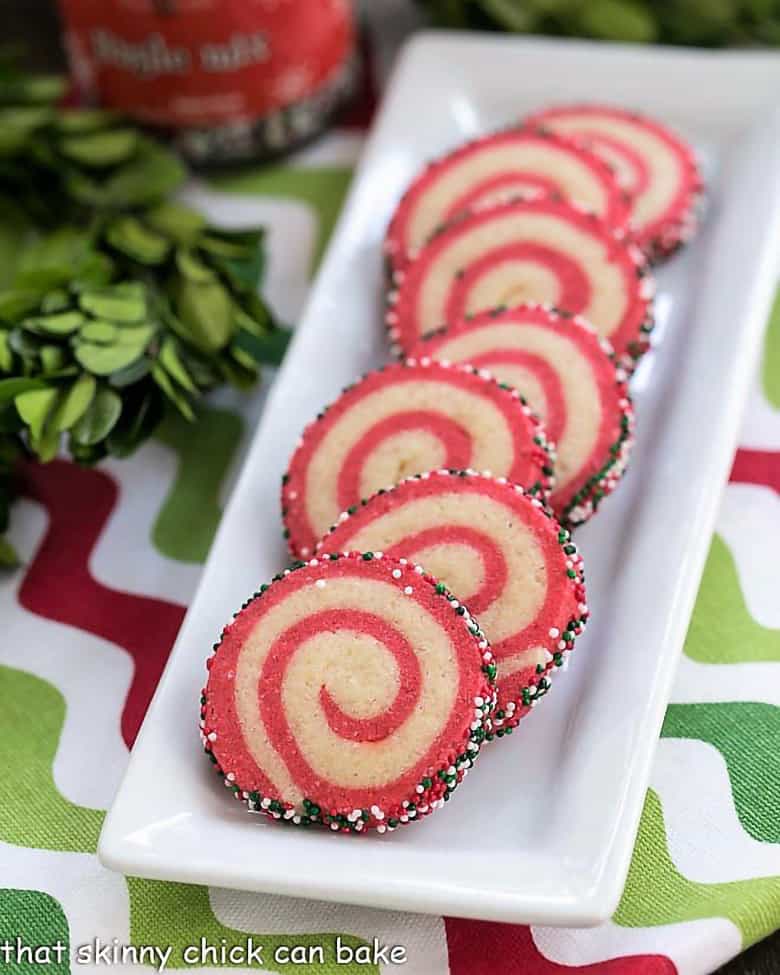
{"x": 543, "y": 829}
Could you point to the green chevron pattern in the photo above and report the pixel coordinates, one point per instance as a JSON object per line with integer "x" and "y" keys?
{"x": 656, "y": 893}
{"x": 33, "y": 812}
{"x": 190, "y": 514}
{"x": 36, "y": 919}
{"x": 748, "y": 737}
{"x": 770, "y": 372}
{"x": 180, "y": 914}
{"x": 722, "y": 631}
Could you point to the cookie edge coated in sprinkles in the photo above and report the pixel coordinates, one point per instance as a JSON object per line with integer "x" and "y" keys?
{"x": 394, "y": 257}
{"x": 600, "y": 485}
{"x": 683, "y": 225}
{"x": 504, "y": 723}
{"x": 434, "y": 789}
{"x": 638, "y": 259}
{"x": 543, "y": 487}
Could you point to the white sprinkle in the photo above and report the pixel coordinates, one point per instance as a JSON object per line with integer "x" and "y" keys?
{"x": 408, "y": 590}
{"x": 419, "y": 570}
{"x": 314, "y": 562}
{"x": 320, "y": 583}
{"x": 212, "y": 736}
{"x": 231, "y": 776}
{"x": 396, "y": 573}
{"x": 555, "y": 632}
{"x": 381, "y": 828}
{"x": 334, "y": 826}
{"x": 305, "y": 551}
{"x": 265, "y": 803}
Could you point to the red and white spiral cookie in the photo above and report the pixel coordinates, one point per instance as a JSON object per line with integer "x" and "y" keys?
{"x": 353, "y": 692}
{"x": 500, "y": 166}
{"x": 401, "y": 420}
{"x": 567, "y": 375}
{"x": 500, "y": 551}
{"x": 650, "y": 162}
{"x": 540, "y": 250}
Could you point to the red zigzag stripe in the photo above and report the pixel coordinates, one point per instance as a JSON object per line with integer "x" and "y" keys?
{"x": 757, "y": 467}
{"x": 513, "y": 952}
{"x": 59, "y": 586}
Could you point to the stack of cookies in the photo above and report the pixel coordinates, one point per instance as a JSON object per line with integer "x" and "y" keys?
{"x": 430, "y": 509}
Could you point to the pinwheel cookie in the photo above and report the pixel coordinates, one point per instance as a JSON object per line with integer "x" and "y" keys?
{"x": 401, "y": 420}
{"x": 567, "y": 375}
{"x": 499, "y": 550}
{"x": 538, "y": 250}
{"x": 353, "y": 692}
{"x": 517, "y": 161}
{"x": 651, "y": 163}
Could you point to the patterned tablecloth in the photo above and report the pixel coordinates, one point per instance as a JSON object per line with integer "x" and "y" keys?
{"x": 111, "y": 558}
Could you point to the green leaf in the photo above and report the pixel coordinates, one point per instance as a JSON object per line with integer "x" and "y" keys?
{"x": 269, "y": 348}
{"x": 129, "y": 236}
{"x": 205, "y": 311}
{"x": 47, "y": 445}
{"x": 245, "y": 270}
{"x": 254, "y": 315}
{"x": 16, "y": 303}
{"x": 162, "y": 379}
{"x": 62, "y": 323}
{"x": 6, "y": 356}
{"x": 139, "y": 335}
{"x": 169, "y": 358}
{"x": 52, "y": 358}
{"x": 32, "y": 89}
{"x": 76, "y": 121}
{"x": 125, "y": 302}
{"x": 143, "y": 409}
{"x": 131, "y": 374}
{"x": 94, "y": 271}
{"x": 151, "y": 175}
{"x": 618, "y": 20}
{"x": 176, "y": 221}
{"x": 34, "y": 407}
{"x": 99, "y": 419}
{"x": 53, "y": 260}
{"x": 102, "y": 360}
{"x": 100, "y": 149}
{"x": 57, "y": 300}
{"x": 13, "y": 387}
{"x": 16, "y": 234}
{"x": 75, "y": 402}
{"x": 104, "y": 333}
{"x": 192, "y": 268}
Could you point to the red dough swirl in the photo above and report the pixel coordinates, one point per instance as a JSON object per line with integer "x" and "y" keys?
{"x": 352, "y": 692}
{"x": 533, "y": 250}
{"x": 402, "y": 420}
{"x": 502, "y": 552}
{"x": 568, "y": 377}
{"x": 497, "y": 167}
{"x": 651, "y": 163}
